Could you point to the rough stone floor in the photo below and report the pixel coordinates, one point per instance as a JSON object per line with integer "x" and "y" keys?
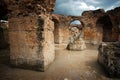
{"x": 68, "y": 65}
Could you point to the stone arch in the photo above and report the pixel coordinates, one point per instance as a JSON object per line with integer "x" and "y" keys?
{"x": 76, "y": 41}
{"x": 105, "y": 23}
{"x": 73, "y": 19}
{"x": 79, "y": 26}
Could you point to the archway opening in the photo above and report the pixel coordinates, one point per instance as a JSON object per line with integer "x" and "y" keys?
{"x": 106, "y": 24}
{"x": 76, "y": 41}
{"x": 76, "y": 24}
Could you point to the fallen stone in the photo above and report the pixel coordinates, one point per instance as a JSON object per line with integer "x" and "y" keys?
{"x": 76, "y": 41}
{"x": 109, "y": 58}
{"x": 78, "y": 44}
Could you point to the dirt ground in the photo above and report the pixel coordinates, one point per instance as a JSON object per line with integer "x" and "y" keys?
{"x": 68, "y": 65}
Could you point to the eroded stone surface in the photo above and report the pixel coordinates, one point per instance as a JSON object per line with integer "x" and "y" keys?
{"x": 109, "y": 57}
{"x": 115, "y": 19}
{"x": 98, "y": 25}
{"x": 31, "y": 42}
{"x": 31, "y": 33}
{"x": 31, "y": 30}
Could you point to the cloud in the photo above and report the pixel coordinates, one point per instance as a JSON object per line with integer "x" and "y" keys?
{"x": 116, "y": 4}
{"x": 73, "y": 7}
{"x": 93, "y": 1}
{"x": 109, "y": 8}
{"x": 76, "y": 7}
{"x": 84, "y": 6}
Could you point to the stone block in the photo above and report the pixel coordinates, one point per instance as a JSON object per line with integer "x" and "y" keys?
{"x": 32, "y": 48}
{"x": 109, "y": 58}
{"x": 78, "y": 45}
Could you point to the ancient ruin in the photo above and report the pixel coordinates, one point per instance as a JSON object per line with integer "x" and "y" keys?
{"x": 109, "y": 57}
{"x": 33, "y": 33}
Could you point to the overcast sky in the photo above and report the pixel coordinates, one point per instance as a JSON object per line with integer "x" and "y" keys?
{"x": 76, "y": 7}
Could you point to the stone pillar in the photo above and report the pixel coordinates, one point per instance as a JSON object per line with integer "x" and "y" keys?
{"x": 31, "y": 42}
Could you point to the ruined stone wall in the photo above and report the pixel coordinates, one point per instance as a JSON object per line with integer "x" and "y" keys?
{"x": 92, "y": 31}
{"x": 24, "y": 46}
{"x": 48, "y": 42}
{"x": 101, "y": 26}
{"x": 98, "y": 25}
{"x": 66, "y": 34}
{"x": 59, "y": 35}
{"x": 89, "y": 20}
{"x": 61, "y": 32}
{"x": 62, "y": 35}
{"x": 31, "y": 33}
{"x": 28, "y": 7}
{"x": 109, "y": 58}
{"x": 91, "y": 35}
{"x": 31, "y": 42}
{"x": 115, "y": 19}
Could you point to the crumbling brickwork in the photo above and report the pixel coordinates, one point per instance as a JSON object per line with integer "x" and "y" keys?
{"x": 31, "y": 33}
{"x": 98, "y": 25}
{"x": 31, "y": 27}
